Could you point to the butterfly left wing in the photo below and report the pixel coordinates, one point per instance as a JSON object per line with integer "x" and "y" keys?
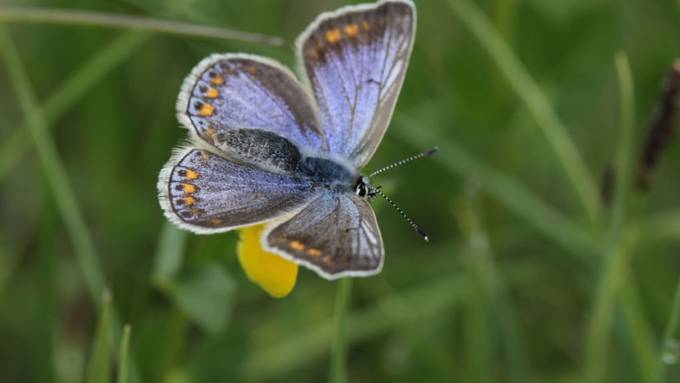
{"x": 335, "y": 235}
{"x": 355, "y": 60}
{"x": 228, "y": 92}
{"x": 206, "y": 193}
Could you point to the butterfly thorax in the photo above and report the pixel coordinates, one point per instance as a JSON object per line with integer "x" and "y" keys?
{"x": 328, "y": 173}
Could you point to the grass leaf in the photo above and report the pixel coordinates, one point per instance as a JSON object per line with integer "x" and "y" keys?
{"x": 168, "y": 258}
{"x": 206, "y": 296}
{"x": 123, "y": 356}
{"x": 338, "y": 368}
{"x": 619, "y": 244}
{"x": 97, "y": 19}
{"x": 99, "y": 367}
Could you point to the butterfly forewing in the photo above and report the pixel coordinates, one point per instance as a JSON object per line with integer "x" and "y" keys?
{"x": 355, "y": 60}
{"x": 204, "y": 192}
{"x": 236, "y": 91}
{"x": 336, "y": 235}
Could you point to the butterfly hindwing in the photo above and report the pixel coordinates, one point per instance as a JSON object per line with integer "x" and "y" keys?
{"x": 204, "y": 192}
{"x": 335, "y": 235}
{"x": 238, "y": 91}
{"x": 355, "y": 60}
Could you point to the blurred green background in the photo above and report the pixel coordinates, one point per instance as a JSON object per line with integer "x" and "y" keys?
{"x": 530, "y": 276}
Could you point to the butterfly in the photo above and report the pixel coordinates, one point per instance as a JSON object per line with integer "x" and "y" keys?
{"x": 267, "y": 148}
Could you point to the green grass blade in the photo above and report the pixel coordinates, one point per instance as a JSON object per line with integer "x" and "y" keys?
{"x": 71, "y": 91}
{"x": 625, "y": 150}
{"x": 602, "y": 318}
{"x": 99, "y": 367}
{"x": 477, "y": 321}
{"x": 97, "y": 19}
{"x": 57, "y": 178}
{"x": 669, "y": 352}
{"x": 123, "y": 356}
{"x": 487, "y": 312}
{"x": 504, "y": 189}
{"x": 338, "y": 369}
{"x": 619, "y": 244}
{"x": 53, "y": 169}
{"x": 643, "y": 343}
{"x": 535, "y": 101}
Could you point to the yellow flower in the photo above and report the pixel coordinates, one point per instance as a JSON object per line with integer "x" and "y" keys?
{"x": 274, "y": 274}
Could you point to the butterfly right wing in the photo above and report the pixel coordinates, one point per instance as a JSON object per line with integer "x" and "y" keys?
{"x": 355, "y": 60}
{"x": 206, "y": 193}
{"x": 336, "y": 235}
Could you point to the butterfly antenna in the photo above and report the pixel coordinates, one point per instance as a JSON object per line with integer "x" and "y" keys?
{"x": 405, "y": 160}
{"x": 403, "y": 214}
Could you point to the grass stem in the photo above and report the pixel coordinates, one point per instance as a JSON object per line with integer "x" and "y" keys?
{"x": 122, "y": 375}
{"x": 669, "y": 352}
{"x": 338, "y": 370}
{"x": 619, "y": 243}
{"x": 96, "y": 19}
{"x": 54, "y": 170}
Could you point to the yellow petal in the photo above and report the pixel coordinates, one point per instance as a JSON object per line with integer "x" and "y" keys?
{"x": 274, "y": 274}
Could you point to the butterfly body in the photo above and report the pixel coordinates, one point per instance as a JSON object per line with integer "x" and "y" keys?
{"x": 267, "y": 148}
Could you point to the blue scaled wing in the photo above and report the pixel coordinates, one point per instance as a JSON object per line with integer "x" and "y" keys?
{"x": 205, "y": 193}
{"x": 238, "y": 91}
{"x": 355, "y": 60}
{"x": 335, "y": 235}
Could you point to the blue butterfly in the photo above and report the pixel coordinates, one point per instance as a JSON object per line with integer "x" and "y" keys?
{"x": 268, "y": 148}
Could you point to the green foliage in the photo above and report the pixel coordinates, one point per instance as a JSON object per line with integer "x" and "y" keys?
{"x": 530, "y": 276}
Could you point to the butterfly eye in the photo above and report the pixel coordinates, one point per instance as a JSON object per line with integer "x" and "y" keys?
{"x": 361, "y": 190}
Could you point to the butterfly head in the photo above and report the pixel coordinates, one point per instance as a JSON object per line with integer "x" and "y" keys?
{"x": 364, "y": 189}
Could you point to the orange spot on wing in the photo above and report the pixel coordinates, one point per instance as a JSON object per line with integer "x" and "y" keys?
{"x": 217, "y": 80}
{"x": 189, "y": 201}
{"x": 352, "y": 30}
{"x": 297, "y": 245}
{"x": 189, "y": 188}
{"x": 192, "y": 174}
{"x": 212, "y": 93}
{"x": 206, "y": 110}
{"x": 251, "y": 69}
{"x": 314, "y": 252}
{"x": 366, "y": 25}
{"x": 333, "y": 36}
{"x": 215, "y": 221}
